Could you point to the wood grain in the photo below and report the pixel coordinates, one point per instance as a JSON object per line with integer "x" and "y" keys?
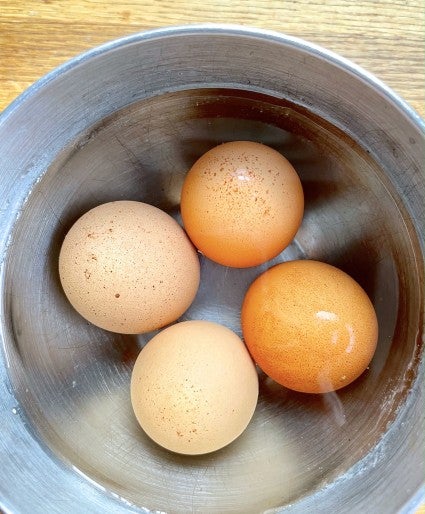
{"x": 384, "y": 36}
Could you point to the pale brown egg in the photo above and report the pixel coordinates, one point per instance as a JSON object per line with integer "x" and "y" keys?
{"x": 128, "y": 267}
{"x": 242, "y": 203}
{"x": 309, "y": 326}
{"x": 194, "y": 387}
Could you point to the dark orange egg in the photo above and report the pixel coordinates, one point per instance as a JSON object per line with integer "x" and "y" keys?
{"x": 309, "y": 326}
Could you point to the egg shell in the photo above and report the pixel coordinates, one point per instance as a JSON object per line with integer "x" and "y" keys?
{"x": 128, "y": 267}
{"x": 309, "y": 326}
{"x": 242, "y": 203}
{"x": 194, "y": 387}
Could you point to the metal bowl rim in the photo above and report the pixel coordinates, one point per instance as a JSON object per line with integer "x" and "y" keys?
{"x": 229, "y": 30}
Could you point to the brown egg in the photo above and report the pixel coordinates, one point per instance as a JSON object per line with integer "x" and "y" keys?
{"x": 194, "y": 387}
{"x": 128, "y": 267}
{"x": 242, "y": 203}
{"x": 309, "y": 326}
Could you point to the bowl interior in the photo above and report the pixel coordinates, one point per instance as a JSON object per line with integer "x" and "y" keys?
{"x": 72, "y": 379}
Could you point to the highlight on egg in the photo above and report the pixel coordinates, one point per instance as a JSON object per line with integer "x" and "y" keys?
{"x": 128, "y": 267}
{"x": 309, "y": 326}
{"x": 194, "y": 387}
{"x": 242, "y": 203}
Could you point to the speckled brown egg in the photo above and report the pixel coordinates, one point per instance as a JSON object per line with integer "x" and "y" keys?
{"x": 309, "y": 326}
{"x": 242, "y": 203}
{"x": 128, "y": 267}
{"x": 194, "y": 387}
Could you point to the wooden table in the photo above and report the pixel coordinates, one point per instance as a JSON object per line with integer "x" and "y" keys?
{"x": 384, "y": 36}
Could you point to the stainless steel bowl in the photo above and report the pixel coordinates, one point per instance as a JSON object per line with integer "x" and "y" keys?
{"x": 127, "y": 120}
